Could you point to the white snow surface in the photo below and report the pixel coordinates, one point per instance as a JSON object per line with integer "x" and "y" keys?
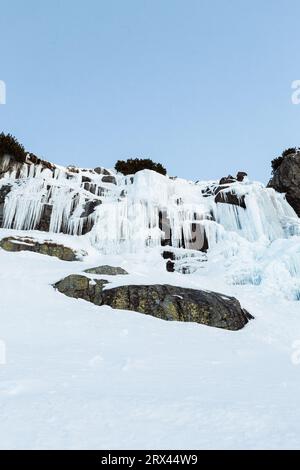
{"x": 79, "y": 376}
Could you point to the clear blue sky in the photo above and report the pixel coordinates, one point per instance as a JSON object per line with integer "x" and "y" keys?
{"x": 203, "y": 86}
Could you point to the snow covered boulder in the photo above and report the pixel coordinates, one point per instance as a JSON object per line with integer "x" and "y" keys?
{"x": 107, "y": 270}
{"x": 162, "y": 301}
{"x": 286, "y": 179}
{"x": 49, "y": 248}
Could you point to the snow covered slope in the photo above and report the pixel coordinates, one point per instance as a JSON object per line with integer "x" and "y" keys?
{"x": 81, "y": 376}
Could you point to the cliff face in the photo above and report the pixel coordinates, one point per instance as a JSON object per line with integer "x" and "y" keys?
{"x": 286, "y": 179}
{"x": 134, "y": 212}
{"x": 249, "y": 229}
{"x": 38, "y": 195}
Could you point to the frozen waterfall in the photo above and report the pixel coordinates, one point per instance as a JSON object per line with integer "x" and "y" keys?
{"x": 258, "y": 243}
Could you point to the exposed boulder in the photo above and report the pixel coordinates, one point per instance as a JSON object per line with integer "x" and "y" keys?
{"x": 286, "y": 178}
{"x": 107, "y": 270}
{"x": 15, "y": 244}
{"x": 170, "y": 266}
{"x": 161, "y": 301}
{"x": 168, "y": 255}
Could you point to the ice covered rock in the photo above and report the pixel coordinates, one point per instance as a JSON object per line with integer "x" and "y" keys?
{"x": 162, "y": 301}
{"x": 230, "y": 197}
{"x": 286, "y": 179}
{"x": 4, "y": 190}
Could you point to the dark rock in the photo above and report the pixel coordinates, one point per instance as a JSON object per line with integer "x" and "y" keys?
{"x": 33, "y": 159}
{"x": 230, "y": 197}
{"x": 89, "y": 207}
{"x": 4, "y": 190}
{"x": 161, "y": 301}
{"x": 227, "y": 180}
{"x": 86, "y": 179}
{"x": 241, "y": 175}
{"x": 101, "y": 171}
{"x": 15, "y": 244}
{"x": 170, "y": 266}
{"x": 44, "y": 223}
{"x": 109, "y": 179}
{"x": 101, "y": 191}
{"x": 107, "y": 270}
{"x": 286, "y": 179}
{"x": 90, "y": 187}
{"x": 168, "y": 255}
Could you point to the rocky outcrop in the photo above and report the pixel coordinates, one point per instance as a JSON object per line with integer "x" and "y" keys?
{"x": 230, "y": 197}
{"x": 89, "y": 207}
{"x": 107, "y": 270}
{"x": 162, "y": 301}
{"x": 109, "y": 179}
{"x": 15, "y": 244}
{"x": 286, "y": 179}
{"x": 241, "y": 175}
{"x": 225, "y": 195}
{"x": 223, "y": 192}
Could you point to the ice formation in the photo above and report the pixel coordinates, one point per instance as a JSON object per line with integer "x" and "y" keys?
{"x": 253, "y": 245}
